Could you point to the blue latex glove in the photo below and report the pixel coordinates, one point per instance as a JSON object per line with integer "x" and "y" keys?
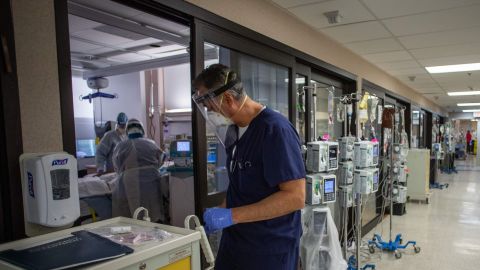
{"x": 216, "y": 219}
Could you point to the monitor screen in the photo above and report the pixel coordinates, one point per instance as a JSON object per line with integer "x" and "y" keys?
{"x": 329, "y": 185}
{"x": 183, "y": 146}
{"x": 86, "y": 148}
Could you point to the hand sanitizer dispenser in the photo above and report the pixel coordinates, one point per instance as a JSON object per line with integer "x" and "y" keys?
{"x": 50, "y": 188}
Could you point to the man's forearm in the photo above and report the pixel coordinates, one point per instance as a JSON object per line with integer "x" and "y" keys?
{"x": 275, "y": 205}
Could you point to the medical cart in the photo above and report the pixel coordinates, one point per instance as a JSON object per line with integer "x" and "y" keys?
{"x": 179, "y": 252}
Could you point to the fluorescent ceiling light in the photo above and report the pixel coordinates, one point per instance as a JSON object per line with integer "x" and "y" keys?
{"x": 464, "y": 93}
{"x": 468, "y": 104}
{"x": 472, "y": 110}
{"x": 453, "y": 68}
{"x": 181, "y": 110}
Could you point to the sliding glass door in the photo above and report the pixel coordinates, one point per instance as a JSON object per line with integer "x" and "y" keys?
{"x": 266, "y": 76}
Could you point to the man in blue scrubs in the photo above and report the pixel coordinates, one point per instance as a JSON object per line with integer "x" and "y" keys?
{"x": 260, "y": 216}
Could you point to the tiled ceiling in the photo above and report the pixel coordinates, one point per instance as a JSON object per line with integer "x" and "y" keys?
{"x": 95, "y": 45}
{"x": 404, "y": 36}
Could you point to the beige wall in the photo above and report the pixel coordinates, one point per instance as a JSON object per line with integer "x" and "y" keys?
{"x": 37, "y": 70}
{"x": 270, "y": 20}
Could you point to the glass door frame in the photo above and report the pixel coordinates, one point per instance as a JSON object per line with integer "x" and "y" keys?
{"x": 204, "y": 32}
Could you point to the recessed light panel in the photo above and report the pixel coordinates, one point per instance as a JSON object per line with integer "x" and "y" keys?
{"x": 464, "y": 93}
{"x": 453, "y": 68}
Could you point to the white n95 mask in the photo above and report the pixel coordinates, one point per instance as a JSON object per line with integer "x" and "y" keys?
{"x": 218, "y": 119}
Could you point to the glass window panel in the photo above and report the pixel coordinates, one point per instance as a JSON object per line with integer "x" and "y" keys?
{"x": 263, "y": 81}
{"x": 322, "y": 114}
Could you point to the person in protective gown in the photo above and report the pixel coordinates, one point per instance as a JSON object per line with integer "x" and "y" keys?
{"x": 137, "y": 162}
{"x": 104, "y": 152}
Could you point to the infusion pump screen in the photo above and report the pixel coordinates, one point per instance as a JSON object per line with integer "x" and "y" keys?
{"x": 329, "y": 186}
{"x": 183, "y": 146}
{"x": 60, "y": 184}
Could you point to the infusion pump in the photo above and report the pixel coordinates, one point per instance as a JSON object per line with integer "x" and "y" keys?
{"x": 346, "y": 148}
{"x": 346, "y": 173}
{"x": 366, "y": 180}
{"x": 366, "y": 154}
{"x": 400, "y": 152}
{"x": 50, "y": 188}
{"x": 320, "y": 188}
{"x": 322, "y": 156}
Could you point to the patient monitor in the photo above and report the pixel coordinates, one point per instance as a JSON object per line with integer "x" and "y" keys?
{"x": 50, "y": 188}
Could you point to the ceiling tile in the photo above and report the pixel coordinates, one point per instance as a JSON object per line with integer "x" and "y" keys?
{"x": 357, "y": 32}
{"x": 101, "y": 50}
{"x": 350, "y": 10}
{"x": 141, "y": 42}
{"x": 464, "y": 59}
{"x": 393, "y": 8}
{"x": 443, "y": 51}
{"x": 128, "y": 57}
{"x": 76, "y": 24}
{"x": 101, "y": 37}
{"x": 109, "y": 7}
{"x": 120, "y": 32}
{"x": 374, "y": 46}
{"x": 388, "y": 56}
{"x": 431, "y": 90}
{"x": 419, "y": 79}
{"x": 462, "y": 36}
{"x": 399, "y": 65}
{"x": 444, "y": 20}
{"x": 79, "y": 46}
{"x": 425, "y": 85}
{"x": 407, "y": 71}
{"x": 294, "y": 3}
{"x": 162, "y": 24}
{"x": 474, "y": 75}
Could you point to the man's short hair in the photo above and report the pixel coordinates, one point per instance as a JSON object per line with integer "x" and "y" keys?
{"x": 218, "y": 75}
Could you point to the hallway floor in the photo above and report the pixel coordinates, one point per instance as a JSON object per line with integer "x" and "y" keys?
{"x": 447, "y": 229}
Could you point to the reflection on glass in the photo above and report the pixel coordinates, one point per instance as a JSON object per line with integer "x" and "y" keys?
{"x": 263, "y": 81}
{"x": 415, "y": 129}
{"x": 322, "y": 113}
{"x": 300, "y": 82}
{"x": 421, "y": 136}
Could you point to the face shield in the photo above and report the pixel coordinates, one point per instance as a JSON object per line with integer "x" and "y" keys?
{"x": 209, "y": 104}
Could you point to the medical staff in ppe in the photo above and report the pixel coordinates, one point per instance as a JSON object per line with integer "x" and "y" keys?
{"x": 137, "y": 162}
{"x": 103, "y": 155}
{"x": 260, "y": 216}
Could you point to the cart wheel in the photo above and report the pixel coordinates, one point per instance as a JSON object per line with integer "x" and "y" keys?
{"x": 398, "y": 255}
{"x": 417, "y": 249}
{"x": 371, "y": 248}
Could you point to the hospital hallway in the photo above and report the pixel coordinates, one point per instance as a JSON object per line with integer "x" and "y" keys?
{"x": 447, "y": 229}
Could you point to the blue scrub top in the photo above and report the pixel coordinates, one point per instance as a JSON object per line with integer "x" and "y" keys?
{"x": 268, "y": 153}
